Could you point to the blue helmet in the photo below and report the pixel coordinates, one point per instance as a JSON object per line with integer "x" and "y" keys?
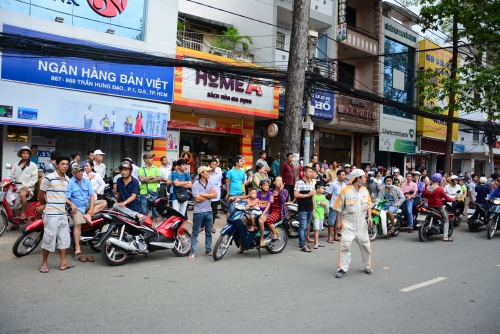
{"x": 436, "y": 177}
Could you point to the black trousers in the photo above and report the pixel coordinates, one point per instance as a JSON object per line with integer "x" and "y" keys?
{"x": 290, "y": 188}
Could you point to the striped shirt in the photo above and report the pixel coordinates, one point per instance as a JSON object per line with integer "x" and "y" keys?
{"x": 55, "y": 197}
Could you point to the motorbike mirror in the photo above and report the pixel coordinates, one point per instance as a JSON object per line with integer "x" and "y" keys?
{"x": 8, "y": 166}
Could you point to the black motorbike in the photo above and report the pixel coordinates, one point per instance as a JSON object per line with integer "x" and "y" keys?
{"x": 478, "y": 219}
{"x": 493, "y": 217}
{"x": 430, "y": 221}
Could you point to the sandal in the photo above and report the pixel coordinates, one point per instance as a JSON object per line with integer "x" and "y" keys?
{"x": 209, "y": 254}
{"x": 391, "y": 231}
{"x": 306, "y": 249}
{"x": 240, "y": 251}
{"x": 90, "y": 258}
{"x": 192, "y": 256}
{"x": 330, "y": 241}
{"x": 44, "y": 270}
{"x": 275, "y": 239}
{"x": 263, "y": 245}
{"x": 82, "y": 259}
{"x": 448, "y": 240}
{"x": 12, "y": 228}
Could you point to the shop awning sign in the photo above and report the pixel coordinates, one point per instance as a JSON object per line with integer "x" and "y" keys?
{"x": 321, "y": 101}
{"x": 258, "y": 144}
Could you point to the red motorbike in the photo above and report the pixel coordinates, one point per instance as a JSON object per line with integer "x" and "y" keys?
{"x": 8, "y": 198}
{"x": 125, "y": 237}
{"x": 33, "y": 234}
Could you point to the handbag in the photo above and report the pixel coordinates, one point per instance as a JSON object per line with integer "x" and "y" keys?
{"x": 151, "y": 195}
{"x": 181, "y": 194}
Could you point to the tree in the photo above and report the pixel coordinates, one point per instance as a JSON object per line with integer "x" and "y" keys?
{"x": 472, "y": 87}
{"x": 231, "y": 39}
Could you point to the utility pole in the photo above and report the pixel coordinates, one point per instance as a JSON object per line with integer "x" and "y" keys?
{"x": 295, "y": 79}
{"x": 311, "y": 47}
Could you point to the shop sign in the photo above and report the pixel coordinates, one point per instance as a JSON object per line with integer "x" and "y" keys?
{"x": 63, "y": 109}
{"x": 400, "y": 32}
{"x": 136, "y": 81}
{"x": 321, "y": 101}
{"x": 342, "y": 21}
{"x": 207, "y": 123}
{"x": 458, "y": 148}
{"x": 357, "y": 112}
{"x": 272, "y": 130}
{"x": 368, "y": 150}
{"x": 106, "y": 8}
{"x": 396, "y": 145}
{"x": 185, "y": 121}
{"x": 258, "y": 144}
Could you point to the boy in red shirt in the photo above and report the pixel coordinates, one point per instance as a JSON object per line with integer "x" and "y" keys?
{"x": 435, "y": 194}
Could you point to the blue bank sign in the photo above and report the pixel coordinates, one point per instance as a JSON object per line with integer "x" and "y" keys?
{"x": 321, "y": 101}
{"x": 134, "y": 81}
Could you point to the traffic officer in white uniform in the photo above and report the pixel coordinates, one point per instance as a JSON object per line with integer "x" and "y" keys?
{"x": 354, "y": 203}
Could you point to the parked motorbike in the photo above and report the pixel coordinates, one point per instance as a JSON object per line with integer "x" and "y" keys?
{"x": 478, "y": 218}
{"x": 33, "y": 234}
{"x": 493, "y": 216}
{"x": 236, "y": 231}
{"x": 291, "y": 222}
{"x": 381, "y": 222}
{"x": 8, "y": 197}
{"x": 124, "y": 236}
{"x": 430, "y": 222}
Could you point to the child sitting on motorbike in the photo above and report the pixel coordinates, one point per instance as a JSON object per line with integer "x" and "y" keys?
{"x": 252, "y": 210}
{"x": 265, "y": 198}
{"x": 435, "y": 194}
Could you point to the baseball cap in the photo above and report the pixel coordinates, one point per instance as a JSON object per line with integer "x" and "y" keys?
{"x": 76, "y": 168}
{"x": 98, "y": 152}
{"x": 396, "y": 170}
{"x": 202, "y": 169}
{"x": 355, "y": 174}
{"x": 147, "y": 155}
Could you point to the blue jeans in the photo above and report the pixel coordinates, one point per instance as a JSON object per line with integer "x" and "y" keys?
{"x": 198, "y": 219}
{"x": 409, "y": 211}
{"x": 144, "y": 207}
{"x": 304, "y": 221}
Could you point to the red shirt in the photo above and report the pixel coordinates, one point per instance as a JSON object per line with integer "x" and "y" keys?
{"x": 435, "y": 198}
{"x": 288, "y": 173}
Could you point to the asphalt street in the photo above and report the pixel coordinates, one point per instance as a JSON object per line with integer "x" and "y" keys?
{"x": 291, "y": 292}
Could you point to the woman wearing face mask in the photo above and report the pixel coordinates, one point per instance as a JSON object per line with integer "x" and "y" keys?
{"x": 394, "y": 198}
{"x": 374, "y": 188}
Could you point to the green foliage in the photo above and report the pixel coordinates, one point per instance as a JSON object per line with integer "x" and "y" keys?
{"x": 231, "y": 39}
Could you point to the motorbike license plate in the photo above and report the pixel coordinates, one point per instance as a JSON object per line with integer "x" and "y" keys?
{"x": 2, "y": 196}
{"x": 421, "y": 217}
{"x": 105, "y": 228}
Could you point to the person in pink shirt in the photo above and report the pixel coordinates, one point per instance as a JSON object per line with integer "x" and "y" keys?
{"x": 406, "y": 188}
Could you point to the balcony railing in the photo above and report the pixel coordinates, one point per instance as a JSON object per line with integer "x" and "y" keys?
{"x": 193, "y": 44}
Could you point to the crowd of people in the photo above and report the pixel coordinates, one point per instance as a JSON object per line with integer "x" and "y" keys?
{"x": 327, "y": 195}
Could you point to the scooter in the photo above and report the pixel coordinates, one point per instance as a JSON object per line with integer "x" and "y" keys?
{"x": 124, "y": 237}
{"x": 8, "y": 197}
{"x": 33, "y": 234}
{"x": 291, "y": 221}
{"x": 236, "y": 231}
{"x": 381, "y": 222}
{"x": 478, "y": 218}
{"x": 493, "y": 217}
{"x": 430, "y": 222}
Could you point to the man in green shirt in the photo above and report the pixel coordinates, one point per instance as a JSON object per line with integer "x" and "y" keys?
{"x": 149, "y": 175}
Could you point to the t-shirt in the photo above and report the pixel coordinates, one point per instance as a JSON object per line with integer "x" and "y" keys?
{"x": 388, "y": 197}
{"x": 262, "y": 162}
{"x": 198, "y": 188}
{"x": 55, "y": 188}
{"x": 303, "y": 187}
{"x": 180, "y": 177}
{"x": 320, "y": 210}
{"x": 145, "y": 171}
{"x": 165, "y": 172}
{"x": 216, "y": 182}
{"x": 126, "y": 190}
{"x": 79, "y": 194}
{"x": 236, "y": 180}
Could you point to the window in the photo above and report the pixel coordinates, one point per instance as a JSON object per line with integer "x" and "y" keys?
{"x": 351, "y": 16}
{"x": 475, "y": 135}
{"x": 346, "y": 74}
{"x": 280, "y": 41}
{"x": 322, "y": 47}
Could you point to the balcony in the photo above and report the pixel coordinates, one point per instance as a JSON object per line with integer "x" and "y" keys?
{"x": 363, "y": 42}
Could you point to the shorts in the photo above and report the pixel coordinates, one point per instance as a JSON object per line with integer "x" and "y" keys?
{"x": 255, "y": 213}
{"x": 78, "y": 216}
{"x": 318, "y": 224}
{"x": 56, "y": 232}
{"x": 388, "y": 207}
{"x": 18, "y": 202}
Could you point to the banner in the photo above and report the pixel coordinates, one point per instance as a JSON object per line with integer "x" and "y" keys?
{"x": 368, "y": 150}
{"x": 153, "y": 83}
{"x": 397, "y": 134}
{"x": 321, "y": 101}
{"x": 71, "y": 110}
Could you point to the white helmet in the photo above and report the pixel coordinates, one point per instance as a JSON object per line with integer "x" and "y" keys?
{"x": 453, "y": 177}
{"x": 483, "y": 180}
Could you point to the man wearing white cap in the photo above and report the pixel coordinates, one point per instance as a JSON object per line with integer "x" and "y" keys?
{"x": 398, "y": 178}
{"x": 26, "y": 173}
{"x": 355, "y": 204}
{"x": 99, "y": 167}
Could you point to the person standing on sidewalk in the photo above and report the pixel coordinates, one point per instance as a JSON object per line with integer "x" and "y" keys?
{"x": 304, "y": 192}
{"x": 203, "y": 193}
{"x": 277, "y": 165}
{"x": 355, "y": 204}
{"x": 216, "y": 182}
{"x": 335, "y": 189}
{"x": 406, "y": 188}
{"x": 180, "y": 179}
{"x": 55, "y": 223}
{"x": 149, "y": 176}
{"x": 287, "y": 171}
{"x": 234, "y": 182}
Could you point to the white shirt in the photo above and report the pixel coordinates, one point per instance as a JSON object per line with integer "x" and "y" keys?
{"x": 100, "y": 169}
{"x": 216, "y": 181}
{"x": 134, "y": 172}
{"x": 97, "y": 182}
{"x": 112, "y": 118}
{"x": 88, "y": 114}
{"x": 165, "y": 172}
{"x": 452, "y": 191}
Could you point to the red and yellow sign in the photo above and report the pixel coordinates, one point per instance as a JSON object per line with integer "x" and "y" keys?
{"x": 186, "y": 121}
{"x": 437, "y": 59}
{"x": 196, "y": 88}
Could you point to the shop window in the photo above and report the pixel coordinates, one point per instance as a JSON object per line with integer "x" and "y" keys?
{"x": 280, "y": 41}
{"x": 346, "y": 74}
{"x": 351, "y": 16}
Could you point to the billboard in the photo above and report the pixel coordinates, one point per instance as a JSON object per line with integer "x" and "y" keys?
{"x": 322, "y": 102}
{"x": 135, "y": 81}
{"x": 437, "y": 60}
{"x": 38, "y": 106}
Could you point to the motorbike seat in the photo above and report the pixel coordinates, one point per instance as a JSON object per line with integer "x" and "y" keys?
{"x": 434, "y": 210}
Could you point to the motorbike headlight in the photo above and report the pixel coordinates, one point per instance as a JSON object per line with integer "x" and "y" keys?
{"x": 496, "y": 201}
{"x": 3, "y": 184}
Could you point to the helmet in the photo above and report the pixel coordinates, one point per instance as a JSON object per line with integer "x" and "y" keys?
{"x": 483, "y": 180}
{"x": 436, "y": 177}
{"x": 416, "y": 173}
{"x": 453, "y": 177}
{"x": 126, "y": 165}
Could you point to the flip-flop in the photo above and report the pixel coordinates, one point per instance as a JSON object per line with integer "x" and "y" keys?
{"x": 209, "y": 254}
{"x": 68, "y": 267}
{"x": 44, "y": 270}
{"x": 90, "y": 258}
{"x": 12, "y": 228}
{"x": 82, "y": 259}
{"x": 330, "y": 242}
{"x": 448, "y": 240}
{"x": 192, "y": 256}
{"x": 320, "y": 245}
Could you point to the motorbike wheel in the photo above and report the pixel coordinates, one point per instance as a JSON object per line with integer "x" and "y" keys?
{"x": 292, "y": 231}
{"x": 422, "y": 234}
{"x": 492, "y": 227}
{"x": 458, "y": 221}
{"x": 278, "y": 246}
{"x": 221, "y": 247}
{"x": 181, "y": 249}
{"x": 3, "y": 222}
{"x": 111, "y": 254}
{"x": 372, "y": 232}
{"x": 27, "y": 242}
{"x": 472, "y": 225}
{"x": 397, "y": 226}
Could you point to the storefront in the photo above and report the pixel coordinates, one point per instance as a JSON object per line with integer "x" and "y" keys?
{"x": 213, "y": 115}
